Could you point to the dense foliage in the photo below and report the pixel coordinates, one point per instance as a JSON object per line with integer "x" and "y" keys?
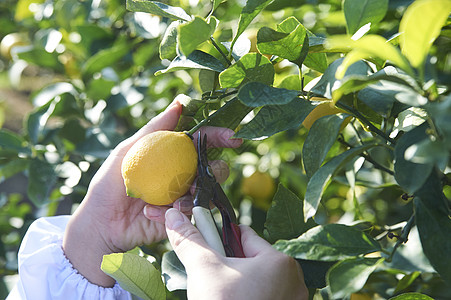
{"x": 345, "y": 104}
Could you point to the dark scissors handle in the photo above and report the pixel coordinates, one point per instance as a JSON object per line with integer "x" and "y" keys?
{"x": 208, "y": 189}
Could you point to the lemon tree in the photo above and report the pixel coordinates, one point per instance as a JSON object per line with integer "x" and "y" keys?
{"x": 345, "y": 103}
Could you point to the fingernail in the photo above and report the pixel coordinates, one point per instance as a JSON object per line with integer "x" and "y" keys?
{"x": 174, "y": 218}
{"x": 152, "y": 212}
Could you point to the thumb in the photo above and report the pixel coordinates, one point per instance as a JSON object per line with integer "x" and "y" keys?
{"x": 252, "y": 243}
{"x": 185, "y": 239}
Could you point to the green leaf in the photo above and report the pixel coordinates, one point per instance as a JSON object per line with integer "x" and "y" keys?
{"x": 318, "y": 182}
{"x": 215, "y": 4}
{"x": 320, "y": 138}
{"x": 330, "y": 242}
{"x": 105, "y": 58}
{"x": 135, "y": 274}
{"x": 196, "y": 60}
{"x": 291, "y": 82}
{"x": 361, "y": 12}
{"x": 412, "y": 296}
{"x": 193, "y": 33}
{"x": 316, "y": 61}
{"x": 12, "y": 167}
{"x": 256, "y": 94}
{"x": 37, "y": 120}
{"x": 174, "y": 272}
{"x": 157, "y": 8}
{"x": 406, "y": 281}
{"x": 250, "y": 10}
{"x": 387, "y": 76}
{"x": 315, "y": 272}
{"x": 251, "y": 67}
{"x": 12, "y": 141}
{"x": 328, "y": 83}
{"x": 41, "y": 180}
{"x": 42, "y": 58}
{"x": 50, "y": 92}
{"x": 285, "y": 218}
{"x": 229, "y": 115}
{"x": 350, "y": 275}
{"x": 420, "y": 26}
{"x": 440, "y": 112}
{"x": 168, "y": 45}
{"x": 288, "y": 45}
{"x": 272, "y": 119}
{"x": 432, "y": 217}
{"x": 369, "y": 46}
{"x": 409, "y": 175}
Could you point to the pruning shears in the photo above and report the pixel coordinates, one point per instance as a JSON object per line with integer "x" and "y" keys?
{"x": 228, "y": 243}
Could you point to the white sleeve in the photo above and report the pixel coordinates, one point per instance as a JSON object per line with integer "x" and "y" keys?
{"x": 45, "y": 272}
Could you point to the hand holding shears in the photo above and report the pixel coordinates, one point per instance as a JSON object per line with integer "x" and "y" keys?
{"x": 228, "y": 242}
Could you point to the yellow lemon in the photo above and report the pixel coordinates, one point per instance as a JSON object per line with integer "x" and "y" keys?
{"x": 260, "y": 187}
{"x": 323, "y": 109}
{"x": 160, "y": 167}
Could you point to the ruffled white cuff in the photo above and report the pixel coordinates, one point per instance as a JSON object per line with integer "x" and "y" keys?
{"x": 45, "y": 272}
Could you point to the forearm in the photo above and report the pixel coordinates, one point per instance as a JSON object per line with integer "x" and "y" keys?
{"x": 84, "y": 247}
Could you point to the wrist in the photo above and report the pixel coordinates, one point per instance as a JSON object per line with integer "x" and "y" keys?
{"x": 85, "y": 247}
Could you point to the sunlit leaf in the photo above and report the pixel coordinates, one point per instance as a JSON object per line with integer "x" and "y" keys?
{"x": 251, "y": 67}
{"x": 420, "y": 26}
{"x": 250, "y": 10}
{"x": 361, "y": 12}
{"x": 135, "y": 274}
{"x": 369, "y": 46}
{"x": 331, "y": 242}
{"x": 286, "y": 45}
{"x": 168, "y": 45}
{"x": 191, "y": 34}
{"x": 329, "y": 83}
{"x": 196, "y": 60}
{"x": 157, "y": 8}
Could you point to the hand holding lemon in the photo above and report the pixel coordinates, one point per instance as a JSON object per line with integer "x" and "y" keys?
{"x": 108, "y": 220}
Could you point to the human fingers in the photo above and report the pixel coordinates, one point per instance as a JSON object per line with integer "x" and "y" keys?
{"x": 157, "y": 213}
{"x": 186, "y": 240}
{"x": 252, "y": 243}
{"x": 218, "y": 137}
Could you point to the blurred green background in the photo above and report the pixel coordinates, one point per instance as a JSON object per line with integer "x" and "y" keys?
{"x": 77, "y": 77}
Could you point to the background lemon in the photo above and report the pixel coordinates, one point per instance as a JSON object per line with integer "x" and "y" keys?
{"x": 160, "y": 167}
{"x": 325, "y": 108}
{"x": 260, "y": 187}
